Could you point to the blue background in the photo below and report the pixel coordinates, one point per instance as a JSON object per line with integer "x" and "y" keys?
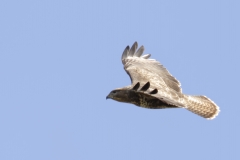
{"x": 60, "y": 59}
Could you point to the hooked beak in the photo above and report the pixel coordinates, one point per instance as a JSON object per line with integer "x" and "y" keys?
{"x": 108, "y": 97}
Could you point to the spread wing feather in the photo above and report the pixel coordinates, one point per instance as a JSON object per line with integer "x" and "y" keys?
{"x": 139, "y": 52}
{"x": 125, "y": 53}
{"x": 133, "y": 49}
{"x": 142, "y": 69}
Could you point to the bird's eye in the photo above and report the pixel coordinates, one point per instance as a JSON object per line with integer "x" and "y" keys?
{"x": 113, "y": 91}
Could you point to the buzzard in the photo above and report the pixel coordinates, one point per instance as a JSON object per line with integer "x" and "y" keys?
{"x": 155, "y": 88}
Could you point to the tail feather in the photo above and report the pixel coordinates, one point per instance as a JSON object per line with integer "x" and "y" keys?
{"x": 202, "y": 106}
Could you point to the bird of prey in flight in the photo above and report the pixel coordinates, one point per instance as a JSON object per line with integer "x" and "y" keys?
{"x": 155, "y": 88}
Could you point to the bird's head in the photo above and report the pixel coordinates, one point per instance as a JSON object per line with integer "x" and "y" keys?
{"x": 118, "y": 95}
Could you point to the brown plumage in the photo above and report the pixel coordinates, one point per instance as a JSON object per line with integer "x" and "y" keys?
{"x": 155, "y": 88}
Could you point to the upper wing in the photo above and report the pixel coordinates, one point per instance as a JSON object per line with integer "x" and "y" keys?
{"x": 143, "y": 70}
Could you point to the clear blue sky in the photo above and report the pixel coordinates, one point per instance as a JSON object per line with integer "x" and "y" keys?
{"x": 59, "y": 60}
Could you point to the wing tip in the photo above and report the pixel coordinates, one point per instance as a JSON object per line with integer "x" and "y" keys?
{"x": 146, "y": 56}
{"x": 125, "y": 53}
{"x": 134, "y": 51}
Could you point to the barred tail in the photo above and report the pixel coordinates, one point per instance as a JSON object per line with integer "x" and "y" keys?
{"x": 202, "y": 106}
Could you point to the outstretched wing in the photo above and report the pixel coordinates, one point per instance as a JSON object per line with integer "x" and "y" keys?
{"x": 143, "y": 70}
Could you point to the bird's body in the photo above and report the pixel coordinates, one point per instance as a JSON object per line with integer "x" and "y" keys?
{"x": 154, "y": 87}
{"x": 141, "y": 99}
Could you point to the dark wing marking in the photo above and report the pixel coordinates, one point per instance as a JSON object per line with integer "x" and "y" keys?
{"x": 154, "y": 91}
{"x": 136, "y": 86}
{"x": 145, "y": 87}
